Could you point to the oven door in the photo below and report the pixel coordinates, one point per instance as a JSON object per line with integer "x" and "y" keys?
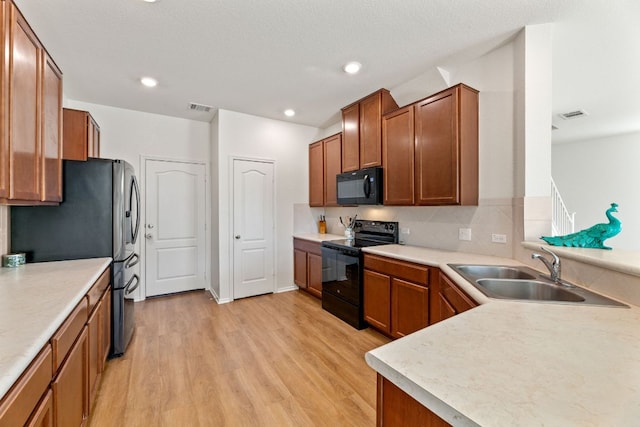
{"x": 341, "y": 272}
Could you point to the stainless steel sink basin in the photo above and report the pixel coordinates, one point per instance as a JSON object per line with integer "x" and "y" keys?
{"x": 495, "y": 272}
{"x": 527, "y": 290}
{"x": 526, "y": 284}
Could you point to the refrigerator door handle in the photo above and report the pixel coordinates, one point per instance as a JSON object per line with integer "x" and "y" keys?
{"x": 127, "y": 289}
{"x": 132, "y": 261}
{"x": 134, "y": 188}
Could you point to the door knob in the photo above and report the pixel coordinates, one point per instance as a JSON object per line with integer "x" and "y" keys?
{"x": 149, "y": 226}
{"x": 148, "y": 236}
{"x": 237, "y": 237}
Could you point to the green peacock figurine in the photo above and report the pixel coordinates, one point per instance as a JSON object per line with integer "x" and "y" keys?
{"x": 592, "y": 237}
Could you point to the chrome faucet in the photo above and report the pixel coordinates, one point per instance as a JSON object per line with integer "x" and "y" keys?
{"x": 553, "y": 266}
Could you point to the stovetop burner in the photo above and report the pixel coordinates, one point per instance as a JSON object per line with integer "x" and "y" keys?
{"x": 368, "y": 233}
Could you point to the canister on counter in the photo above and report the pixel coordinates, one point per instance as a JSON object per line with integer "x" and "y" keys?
{"x": 13, "y": 260}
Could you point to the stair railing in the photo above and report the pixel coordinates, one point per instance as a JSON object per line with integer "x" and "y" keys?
{"x": 562, "y": 222}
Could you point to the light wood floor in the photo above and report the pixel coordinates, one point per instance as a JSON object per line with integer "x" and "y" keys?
{"x": 272, "y": 360}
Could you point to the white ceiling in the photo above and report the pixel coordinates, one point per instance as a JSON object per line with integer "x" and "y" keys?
{"x": 261, "y": 57}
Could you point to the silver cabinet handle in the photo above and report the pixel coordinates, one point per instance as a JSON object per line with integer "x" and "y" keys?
{"x": 149, "y": 226}
{"x": 237, "y": 237}
{"x": 148, "y": 236}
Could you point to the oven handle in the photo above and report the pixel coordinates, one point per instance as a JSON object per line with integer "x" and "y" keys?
{"x": 128, "y": 291}
{"x": 366, "y": 186}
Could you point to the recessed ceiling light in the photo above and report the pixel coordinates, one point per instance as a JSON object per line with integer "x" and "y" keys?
{"x": 150, "y": 1}
{"x": 149, "y": 81}
{"x": 352, "y": 67}
{"x": 289, "y": 113}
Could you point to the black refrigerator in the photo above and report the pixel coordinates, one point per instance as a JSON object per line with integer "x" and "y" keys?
{"x": 99, "y": 217}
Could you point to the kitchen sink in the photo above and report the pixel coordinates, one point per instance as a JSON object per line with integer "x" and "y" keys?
{"x": 495, "y": 272}
{"x": 526, "y": 284}
{"x": 527, "y": 290}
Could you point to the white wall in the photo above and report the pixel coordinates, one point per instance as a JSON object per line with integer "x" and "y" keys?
{"x": 287, "y": 144}
{"x": 128, "y": 135}
{"x": 594, "y": 173}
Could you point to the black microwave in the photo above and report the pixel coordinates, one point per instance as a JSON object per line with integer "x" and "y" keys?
{"x": 361, "y": 187}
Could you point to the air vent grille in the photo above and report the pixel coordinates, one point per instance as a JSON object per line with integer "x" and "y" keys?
{"x": 573, "y": 114}
{"x": 199, "y": 107}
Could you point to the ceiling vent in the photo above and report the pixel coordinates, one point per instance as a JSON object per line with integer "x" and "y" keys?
{"x": 199, "y": 107}
{"x": 573, "y": 114}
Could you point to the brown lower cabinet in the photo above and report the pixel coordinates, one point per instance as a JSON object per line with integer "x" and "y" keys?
{"x": 43, "y": 415}
{"x": 396, "y": 295}
{"x": 450, "y": 300}
{"x": 58, "y": 387}
{"x": 307, "y": 266}
{"x": 397, "y": 408}
{"x": 70, "y": 391}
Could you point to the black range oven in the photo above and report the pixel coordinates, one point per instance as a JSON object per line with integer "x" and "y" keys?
{"x": 342, "y": 269}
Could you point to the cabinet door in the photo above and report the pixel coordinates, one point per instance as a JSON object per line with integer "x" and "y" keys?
{"x": 43, "y": 415}
{"x": 316, "y": 174}
{"x": 70, "y": 391}
{"x": 95, "y": 350}
{"x": 332, "y": 167}
{"x": 444, "y": 308}
{"x": 409, "y": 307}
{"x": 51, "y": 162}
{"x": 4, "y": 99}
{"x": 452, "y": 299}
{"x": 351, "y": 138}
{"x": 74, "y": 134}
{"x": 371, "y": 131}
{"x": 398, "y": 148}
{"x": 300, "y": 268}
{"x": 314, "y": 263}
{"x": 106, "y": 328}
{"x": 93, "y": 137}
{"x": 437, "y": 153}
{"x": 395, "y": 408}
{"x": 377, "y": 300}
{"x": 24, "y": 114}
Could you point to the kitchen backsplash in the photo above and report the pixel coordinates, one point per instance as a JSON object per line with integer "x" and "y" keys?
{"x": 4, "y": 230}
{"x": 430, "y": 226}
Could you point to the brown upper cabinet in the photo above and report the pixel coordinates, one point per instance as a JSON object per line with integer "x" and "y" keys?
{"x": 324, "y": 165}
{"x": 443, "y": 158}
{"x": 362, "y": 130}
{"x": 398, "y": 150}
{"x": 31, "y": 130}
{"x": 81, "y": 135}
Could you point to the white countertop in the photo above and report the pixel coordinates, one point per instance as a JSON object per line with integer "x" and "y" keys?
{"x": 35, "y": 299}
{"x": 621, "y": 260}
{"x": 510, "y": 363}
{"x": 317, "y": 237}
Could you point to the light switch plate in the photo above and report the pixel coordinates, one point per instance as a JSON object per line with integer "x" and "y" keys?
{"x": 464, "y": 234}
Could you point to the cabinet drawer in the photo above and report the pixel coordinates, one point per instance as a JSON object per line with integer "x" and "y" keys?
{"x": 20, "y": 402}
{"x": 401, "y": 269}
{"x": 307, "y": 246}
{"x": 96, "y": 291}
{"x": 457, "y": 299}
{"x": 64, "y": 338}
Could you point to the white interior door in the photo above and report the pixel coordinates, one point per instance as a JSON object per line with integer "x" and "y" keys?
{"x": 174, "y": 232}
{"x": 253, "y": 228}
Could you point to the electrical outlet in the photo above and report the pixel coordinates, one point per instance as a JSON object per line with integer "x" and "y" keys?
{"x": 464, "y": 234}
{"x": 405, "y": 230}
{"x": 499, "y": 238}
